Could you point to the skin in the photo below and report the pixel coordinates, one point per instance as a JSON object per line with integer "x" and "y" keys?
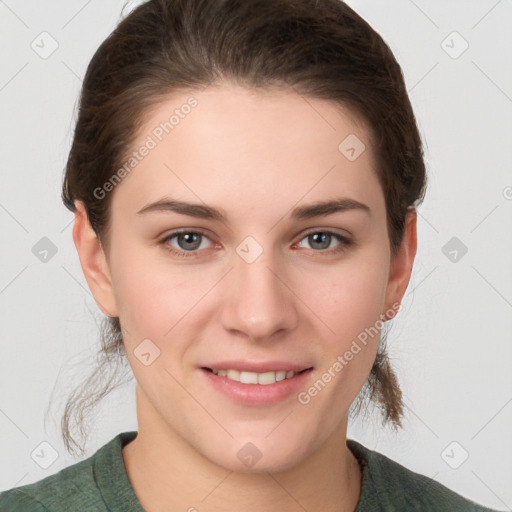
{"x": 256, "y": 155}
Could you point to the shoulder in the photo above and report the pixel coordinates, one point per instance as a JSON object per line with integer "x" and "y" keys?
{"x": 60, "y": 491}
{"x": 389, "y": 486}
{"x": 53, "y": 492}
{"x": 16, "y": 500}
{"x": 72, "y": 488}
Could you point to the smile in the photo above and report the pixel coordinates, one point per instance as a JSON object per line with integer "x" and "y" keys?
{"x": 264, "y": 378}
{"x": 257, "y": 389}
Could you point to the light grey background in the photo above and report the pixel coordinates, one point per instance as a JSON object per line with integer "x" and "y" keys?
{"x": 451, "y": 343}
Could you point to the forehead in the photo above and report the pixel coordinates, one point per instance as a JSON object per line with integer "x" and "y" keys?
{"x": 257, "y": 147}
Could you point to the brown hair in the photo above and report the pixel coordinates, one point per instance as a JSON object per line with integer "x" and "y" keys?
{"x": 320, "y": 48}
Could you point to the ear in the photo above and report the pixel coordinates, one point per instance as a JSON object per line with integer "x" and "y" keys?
{"x": 93, "y": 261}
{"x": 402, "y": 262}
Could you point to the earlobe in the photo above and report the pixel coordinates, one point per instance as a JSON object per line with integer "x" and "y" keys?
{"x": 93, "y": 261}
{"x": 402, "y": 262}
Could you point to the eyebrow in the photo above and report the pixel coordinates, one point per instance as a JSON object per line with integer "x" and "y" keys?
{"x": 202, "y": 211}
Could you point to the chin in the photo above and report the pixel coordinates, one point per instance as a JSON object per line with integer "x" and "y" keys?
{"x": 258, "y": 456}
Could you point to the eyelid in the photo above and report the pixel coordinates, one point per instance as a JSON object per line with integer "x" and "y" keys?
{"x": 205, "y": 233}
{"x": 176, "y": 232}
{"x": 345, "y": 241}
{"x": 332, "y": 231}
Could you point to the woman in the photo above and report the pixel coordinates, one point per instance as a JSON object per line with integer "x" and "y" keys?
{"x": 244, "y": 176}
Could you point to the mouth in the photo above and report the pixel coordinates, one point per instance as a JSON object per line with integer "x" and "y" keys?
{"x": 263, "y": 378}
{"x": 253, "y": 389}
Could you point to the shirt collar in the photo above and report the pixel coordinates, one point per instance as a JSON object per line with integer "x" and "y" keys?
{"x": 111, "y": 476}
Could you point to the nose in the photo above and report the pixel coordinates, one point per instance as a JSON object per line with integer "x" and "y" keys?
{"x": 257, "y": 300}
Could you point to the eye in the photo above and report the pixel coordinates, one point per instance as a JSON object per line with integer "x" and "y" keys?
{"x": 322, "y": 239}
{"x": 187, "y": 242}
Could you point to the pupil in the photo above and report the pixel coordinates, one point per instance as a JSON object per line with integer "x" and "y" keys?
{"x": 322, "y": 238}
{"x": 189, "y": 238}
{"x": 192, "y": 239}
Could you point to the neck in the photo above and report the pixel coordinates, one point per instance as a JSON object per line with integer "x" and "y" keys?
{"x": 167, "y": 473}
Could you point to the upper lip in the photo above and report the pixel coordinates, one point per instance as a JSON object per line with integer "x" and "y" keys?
{"x": 261, "y": 367}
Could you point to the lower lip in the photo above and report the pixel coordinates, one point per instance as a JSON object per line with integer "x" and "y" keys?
{"x": 257, "y": 394}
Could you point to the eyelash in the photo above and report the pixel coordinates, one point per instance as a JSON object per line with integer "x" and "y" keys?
{"x": 344, "y": 242}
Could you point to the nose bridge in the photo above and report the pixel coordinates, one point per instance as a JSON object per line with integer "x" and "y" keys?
{"x": 258, "y": 302}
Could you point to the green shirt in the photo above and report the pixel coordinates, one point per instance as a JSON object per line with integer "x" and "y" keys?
{"x": 100, "y": 484}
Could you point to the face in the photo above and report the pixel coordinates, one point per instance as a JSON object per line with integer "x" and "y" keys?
{"x": 252, "y": 274}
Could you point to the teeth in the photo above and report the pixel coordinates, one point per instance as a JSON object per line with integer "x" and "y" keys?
{"x": 255, "y": 378}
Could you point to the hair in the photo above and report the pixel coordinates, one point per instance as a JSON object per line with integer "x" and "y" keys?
{"x": 319, "y": 48}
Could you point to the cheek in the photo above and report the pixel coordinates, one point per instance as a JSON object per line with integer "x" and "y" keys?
{"x": 350, "y": 302}
{"x": 352, "y": 297}
{"x": 158, "y": 303}
{"x": 153, "y": 297}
